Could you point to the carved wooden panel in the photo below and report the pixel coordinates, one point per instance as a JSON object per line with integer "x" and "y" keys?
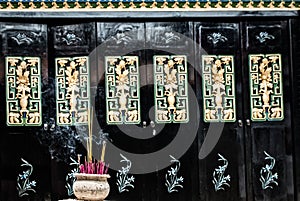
{"x": 117, "y": 36}
{"x": 73, "y": 39}
{"x": 167, "y": 35}
{"x": 265, "y": 37}
{"x": 266, "y": 92}
{"x": 171, "y": 89}
{"x": 19, "y": 39}
{"x": 72, "y": 90}
{"x": 23, "y": 91}
{"x": 216, "y": 38}
{"x": 218, "y": 88}
{"x": 122, "y": 90}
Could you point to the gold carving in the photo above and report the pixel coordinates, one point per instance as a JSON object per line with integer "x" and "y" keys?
{"x": 121, "y": 5}
{"x": 219, "y": 4}
{"x": 66, "y": 5}
{"x": 154, "y": 5}
{"x": 72, "y": 77}
{"x": 266, "y": 87}
{"x": 77, "y": 5}
{"x": 186, "y": 5}
{"x": 31, "y": 5}
{"x": 99, "y": 5}
{"x": 110, "y": 5}
{"x": 122, "y": 84}
{"x": 20, "y": 6}
{"x": 132, "y": 5}
{"x": 43, "y": 5}
{"x": 239, "y": 4}
{"x": 218, "y": 88}
{"x": 207, "y": 4}
{"x": 143, "y": 4}
{"x": 282, "y": 4}
{"x": 170, "y": 89}
{"x": 271, "y": 4}
{"x": 261, "y": 4}
{"x": 165, "y": 4}
{"x": 54, "y": 5}
{"x": 23, "y": 83}
{"x": 250, "y": 4}
{"x": 292, "y": 4}
{"x": 229, "y": 4}
{"x": 175, "y": 5}
{"x": 88, "y": 5}
{"x": 197, "y": 5}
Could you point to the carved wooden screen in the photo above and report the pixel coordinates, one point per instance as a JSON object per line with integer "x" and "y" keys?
{"x": 266, "y": 87}
{"x": 23, "y": 91}
{"x": 122, "y": 90}
{"x": 72, "y": 90}
{"x": 171, "y": 89}
{"x": 218, "y": 88}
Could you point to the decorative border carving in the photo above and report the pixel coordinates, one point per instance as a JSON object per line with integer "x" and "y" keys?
{"x": 23, "y": 91}
{"x": 142, "y": 5}
{"x": 122, "y": 90}
{"x": 171, "y": 89}
{"x": 266, "y": 92}
{"x": 218, "y": 88}
{"x": 72, "y": 90}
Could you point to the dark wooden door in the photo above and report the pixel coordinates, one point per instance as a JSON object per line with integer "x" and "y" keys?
{"x": 221, "y": 140}
{"x": 70, "y": 55}
{"x": 23, "y": 65}
{"x": 121, "y": 46}
{"x": 267, "y": 106}
{"x": 251, "y": 158}
{"x": 148, "y": 140}
{"x": 175, "y": 139}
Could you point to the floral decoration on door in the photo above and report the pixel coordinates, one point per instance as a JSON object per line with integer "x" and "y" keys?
{"x": 72, "y": 90}
{"x": 218, "y": 88}
{"x": 122, "y": 90}
{"x": 171, "y": 89}
{"x": 23, "y": 91}
{"x": 266, "y": 95}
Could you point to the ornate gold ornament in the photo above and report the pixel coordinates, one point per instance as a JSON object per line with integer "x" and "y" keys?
{"x": 149, "y": 5}
{"x": 218, "y": 88}
{"x": 266, "y": 87}
{"x": 72, "y": 90}
{"x": 122, "y": 90}
{"x": 23, "y": 91}
{"x": 171, "y": 89}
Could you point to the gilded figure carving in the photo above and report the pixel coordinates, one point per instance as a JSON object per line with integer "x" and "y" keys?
{"x": 218, "y": 88}
{"x": 23, "y": 79}
{"x": 171, "y": 101}
{"x": 266, "y": 87}
{"x": 122, "y": 90}
{"x": 72, "y": 90}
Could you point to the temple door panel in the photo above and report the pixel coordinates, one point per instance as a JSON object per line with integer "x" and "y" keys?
{"x": 267, "y": 118}
{"x": 219, "y": 88}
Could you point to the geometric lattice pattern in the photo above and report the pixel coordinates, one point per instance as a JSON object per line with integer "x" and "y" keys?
{"x": 23, "y": 91}
{"x": 122, "y": 90}
{"x": 266, "y": 95}
{"x": 72, "y": 90}
{"x": 218, "y": 88}
{"x": 171, "y": 89}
